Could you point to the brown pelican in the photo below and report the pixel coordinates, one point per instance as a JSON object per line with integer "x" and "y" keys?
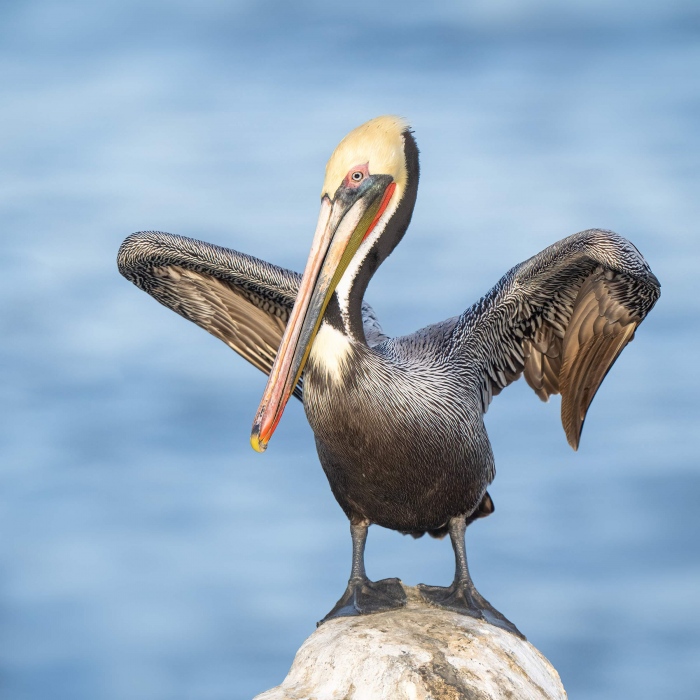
{"x": 398, "y": 422}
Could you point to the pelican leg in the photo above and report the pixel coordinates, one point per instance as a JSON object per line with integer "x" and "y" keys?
{"x": 363, "y": 596}
{"x": 461, "y": 596}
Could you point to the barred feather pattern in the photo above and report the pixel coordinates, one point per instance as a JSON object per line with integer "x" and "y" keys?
{"x": 560, "y": 318}
{"x": 240, "y": 299}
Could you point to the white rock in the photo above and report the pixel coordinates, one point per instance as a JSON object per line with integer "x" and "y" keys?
{"x": 417, "y": 653}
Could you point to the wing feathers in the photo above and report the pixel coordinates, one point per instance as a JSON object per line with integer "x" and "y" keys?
{"x": 561, "y": 318}
{"x": 598, "y": 331}
{"x": 582, "y": 376}
{"x": 243, "y": 301}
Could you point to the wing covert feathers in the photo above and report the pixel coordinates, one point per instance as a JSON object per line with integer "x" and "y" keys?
{"x": 561, "y": 319}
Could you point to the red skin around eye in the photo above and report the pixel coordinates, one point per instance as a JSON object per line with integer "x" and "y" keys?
{"x": 349, "y": 182}
{"x": 353, "y": 184}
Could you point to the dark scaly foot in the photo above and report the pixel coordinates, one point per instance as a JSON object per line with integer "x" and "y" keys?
{"x": 363, "y": 596}
{"x": 461, "y": 596}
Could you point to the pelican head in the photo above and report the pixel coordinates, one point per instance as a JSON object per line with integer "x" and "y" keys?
{"x": 366, "y": 179}
{"x": 377, "y": 144}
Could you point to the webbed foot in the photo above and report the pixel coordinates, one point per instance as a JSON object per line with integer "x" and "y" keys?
{"x": 363, "y": 597}
{"x": 462, "y": 597}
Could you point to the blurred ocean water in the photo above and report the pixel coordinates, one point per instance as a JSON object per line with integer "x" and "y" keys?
{"x": 147, "y": 552}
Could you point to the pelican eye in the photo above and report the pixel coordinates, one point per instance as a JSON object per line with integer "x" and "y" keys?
{"x": 357, "y": 176}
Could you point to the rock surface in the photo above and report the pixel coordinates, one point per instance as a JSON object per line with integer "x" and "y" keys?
{"x": 417, "y": 653}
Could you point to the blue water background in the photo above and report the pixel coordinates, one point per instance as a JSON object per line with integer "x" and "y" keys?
{"x": 147, "y": 552}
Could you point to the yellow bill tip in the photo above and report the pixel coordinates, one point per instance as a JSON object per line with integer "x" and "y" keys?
{"x": 256, "y": 443}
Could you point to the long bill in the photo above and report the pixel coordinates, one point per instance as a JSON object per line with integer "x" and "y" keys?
{"x": 342, "y": 226}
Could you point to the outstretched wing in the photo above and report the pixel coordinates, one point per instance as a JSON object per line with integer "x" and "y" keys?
{"x": 239, "y": 299}
{"x": 560, "y": 318}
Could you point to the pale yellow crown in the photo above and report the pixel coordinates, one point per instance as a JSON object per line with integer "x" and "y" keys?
{"x": 379, "y": 143}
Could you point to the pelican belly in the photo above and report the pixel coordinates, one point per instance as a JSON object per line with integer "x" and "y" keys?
{"x": 399, "y": 446}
